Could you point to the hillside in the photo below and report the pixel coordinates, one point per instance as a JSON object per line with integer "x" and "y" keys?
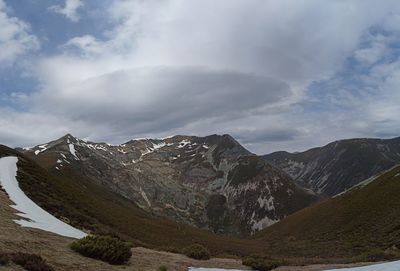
{"x": 363, "y": 224}
{"x": 14, "y": 238}
{"x": 209, "y": 182}
{"x": 55, "y": 250}
{"x": 93, "y": 208}
{"x": 340, "y": 165}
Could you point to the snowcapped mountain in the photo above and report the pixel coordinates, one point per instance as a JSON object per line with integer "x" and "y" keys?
{"x": 340, "y": 165}
{"x": 211, "y": 182}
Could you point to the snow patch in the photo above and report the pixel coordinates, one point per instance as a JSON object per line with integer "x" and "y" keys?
{"x": 390, "y": 266}
{"x": 159, "y": 145}
{"x": 183, "y": 143}
{"x": 42, "y": 148}
{"x": 33, "y": 216}
{"x": 211, "y": 269}
{"x": 72, "y": 150}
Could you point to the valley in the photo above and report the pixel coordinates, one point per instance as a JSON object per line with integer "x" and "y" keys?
{"x": 63, "y": 179}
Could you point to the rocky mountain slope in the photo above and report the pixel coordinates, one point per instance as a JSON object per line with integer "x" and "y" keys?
{"x": 363, "y": 223}
{"x": 340, "y": 165}
{"x": 211, "y": 182}
{"x": 93, "y": 208}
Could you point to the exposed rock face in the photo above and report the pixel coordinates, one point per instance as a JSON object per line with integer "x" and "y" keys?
{"x": 211, "y": 182}
{"x": 340, "y": 165}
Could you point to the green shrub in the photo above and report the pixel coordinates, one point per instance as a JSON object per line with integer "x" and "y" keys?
{"x": 197, "y": 252}
{"x": 106, "y": 248}
{"x": 4, "y": 259}
{"x": 30, "y": 262}
{"x": 162, "y": 268}
{"x": 260, "y": 263}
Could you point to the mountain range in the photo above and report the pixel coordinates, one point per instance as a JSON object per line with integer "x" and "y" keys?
{"x": 340, "y": 165}
{"x": 337, "y": 203}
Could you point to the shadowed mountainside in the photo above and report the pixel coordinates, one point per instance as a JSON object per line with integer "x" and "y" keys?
{"x": 340, "y": 165}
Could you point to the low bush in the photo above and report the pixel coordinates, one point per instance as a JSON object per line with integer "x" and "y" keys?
{"x": 105, "y": 248}
{"x": 30, "y": 262}
{"x": 162, "y": 268}
{"x": 260, "y": 263}
{"x": 4, "y": 259}
{"x": 197, "y": 252}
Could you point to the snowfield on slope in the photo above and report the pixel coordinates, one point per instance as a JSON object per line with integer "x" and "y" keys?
{"x": 211, "y": 269}
{"x": 391, "y": 266}
{"x": 33, "y": 216}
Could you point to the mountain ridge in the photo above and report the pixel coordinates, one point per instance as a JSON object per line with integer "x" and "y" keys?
{"x": 339, "y": 165}
{"x": 211, "y": 182}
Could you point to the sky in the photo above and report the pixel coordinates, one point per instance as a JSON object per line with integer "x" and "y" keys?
{"x": 275, "y": 74}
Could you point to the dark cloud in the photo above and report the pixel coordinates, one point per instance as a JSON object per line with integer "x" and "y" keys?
{"x": 155, "y": 99}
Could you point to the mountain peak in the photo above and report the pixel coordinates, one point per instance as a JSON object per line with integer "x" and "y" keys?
{"x": 68, "y": 137}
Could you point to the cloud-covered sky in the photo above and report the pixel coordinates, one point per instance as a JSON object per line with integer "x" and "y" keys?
{"x": 275, "y": 74}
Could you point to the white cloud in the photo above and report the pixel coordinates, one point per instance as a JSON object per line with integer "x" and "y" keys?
{"x": 15, "y": 37}
{"x": 69, "y": 10}
{"x": 230, "y": 66}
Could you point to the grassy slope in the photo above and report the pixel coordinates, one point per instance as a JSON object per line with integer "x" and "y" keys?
{"x": 92, "y": 207}
{"x": 362, "y": 223}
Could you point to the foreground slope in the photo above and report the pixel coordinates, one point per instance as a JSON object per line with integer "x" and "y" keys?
{"x": 210, "y": 182}
{"x": 364, "y": 222}
{"x": 339, "y": 165}
{"x": 55, "y": 250}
